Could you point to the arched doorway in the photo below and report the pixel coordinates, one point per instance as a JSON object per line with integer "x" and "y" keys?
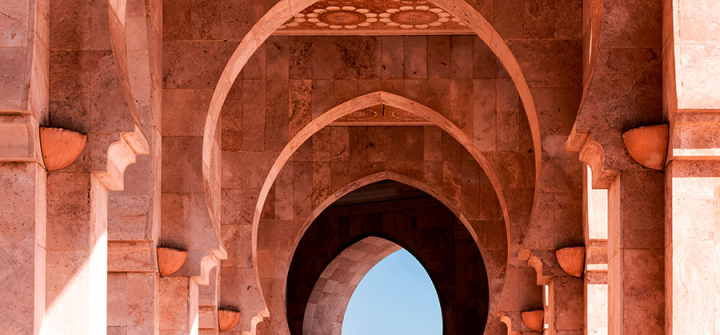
{"x": 398, "y": 297}
{"x": 363, "y": 227}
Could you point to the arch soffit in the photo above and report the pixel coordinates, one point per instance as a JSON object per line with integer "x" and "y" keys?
{"x": 349, "y": 260}
{"x": 362, "y": 264}
{"x": 285, "y": 9}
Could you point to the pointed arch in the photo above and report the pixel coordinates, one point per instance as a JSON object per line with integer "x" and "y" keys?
{"x": 366, "y": 101}
{"x": 283, "y": 11}
{"x": 326, "y": 310}
{"x": 494, "y": 283}
{"x": 342, "y": 110}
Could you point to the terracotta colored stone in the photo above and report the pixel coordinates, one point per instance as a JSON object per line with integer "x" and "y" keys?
{"x": 572, "y": 260}
{"x": 170, "y": 260}
{"x": 534, "y": 320}
{"x": 648, "y": 145}
{"x": 241, "y": 156}
{"x": 60, "y": 147}
{"x": 228, "y": 319}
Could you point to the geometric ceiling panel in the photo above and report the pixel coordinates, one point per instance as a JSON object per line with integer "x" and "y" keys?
{"x": 373, "y": 17}
{"x": 381, "y": 115}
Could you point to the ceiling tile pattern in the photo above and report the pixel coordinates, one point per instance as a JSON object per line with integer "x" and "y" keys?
{"x": 366, "y": 17}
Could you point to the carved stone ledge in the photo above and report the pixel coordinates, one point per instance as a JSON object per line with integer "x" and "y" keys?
{"x": 120, "y": 155}
{"x": 512, "y": 321}
{"x": 543, "y": 271}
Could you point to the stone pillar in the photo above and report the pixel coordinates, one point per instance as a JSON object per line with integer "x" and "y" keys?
{"x": 76, "y": 253}
{"x": 132, "y": 303}
{"x": 595, "y": 217}
{"x": 178, "y": 306}
{"x": 691, "y": 55}
{"x": 691, "y": 253}
{"x": 692, "y": 215}
{"x": 23, "y": 107}
{"x": 22, "y": 247}
{"x": 635, "y": 249}
{"x": 208, "y": 305}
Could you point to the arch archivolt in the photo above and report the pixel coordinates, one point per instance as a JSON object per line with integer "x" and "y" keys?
{"x": 354, "y": 262}
{"x": 279, "y": 239}
{"x": 285, "y": 9}
{"x": 297, "y": 188}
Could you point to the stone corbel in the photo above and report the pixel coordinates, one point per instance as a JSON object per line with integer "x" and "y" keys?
{"x": 170, "y": 260}
{"x": 228, "y": 319}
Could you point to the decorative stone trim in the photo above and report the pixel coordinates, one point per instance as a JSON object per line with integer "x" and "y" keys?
{"x": 374, "y": 15}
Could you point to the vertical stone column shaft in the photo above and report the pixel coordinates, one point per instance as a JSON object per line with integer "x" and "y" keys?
{"x": 691, "y": 251}
{"x": 22, "y": 247}
{"x": 77, "y": 254}
{"x": 635, "y": 250}
{"x": 595, "y": 216}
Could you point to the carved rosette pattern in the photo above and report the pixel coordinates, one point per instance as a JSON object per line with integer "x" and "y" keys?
{"x": 381, "y": 115}
{"x": 373, "y": 15}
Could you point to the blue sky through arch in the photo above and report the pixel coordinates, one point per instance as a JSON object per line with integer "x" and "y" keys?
{"x": 396, "y": 297}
